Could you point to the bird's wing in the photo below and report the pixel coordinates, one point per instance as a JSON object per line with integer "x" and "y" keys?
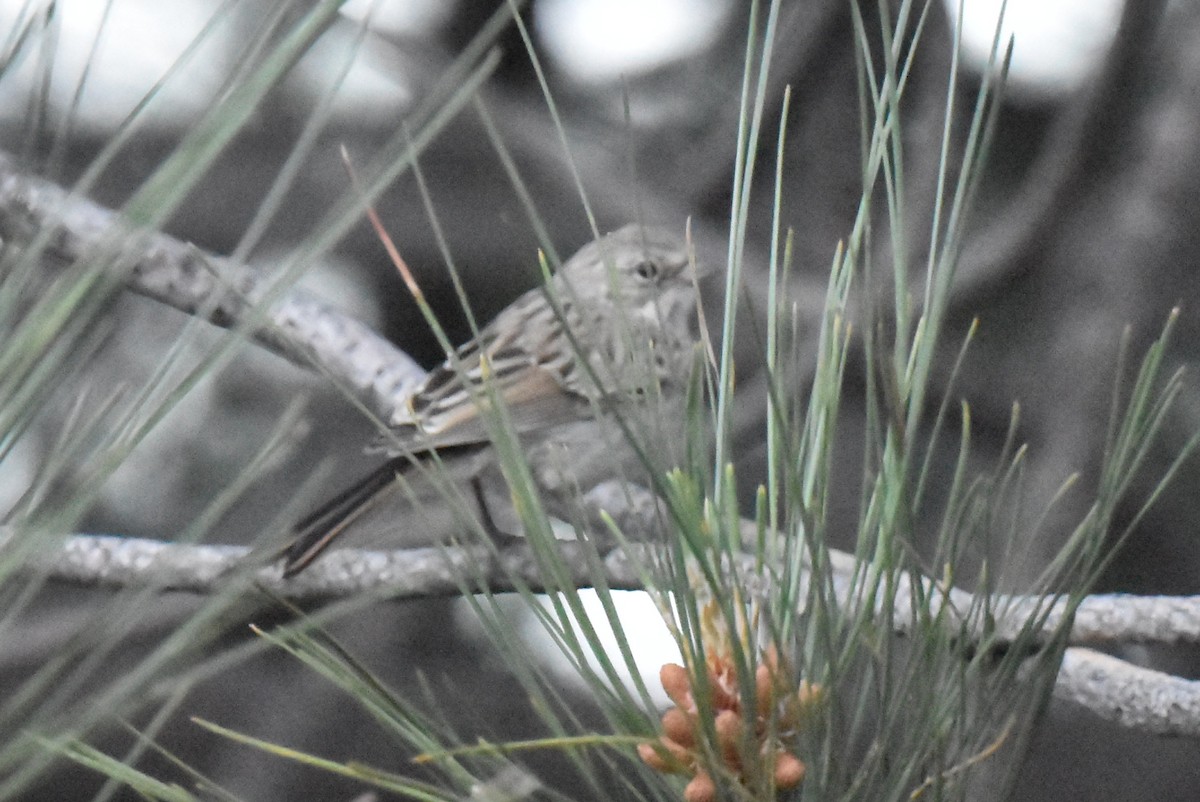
{"x": 522, "y": 356}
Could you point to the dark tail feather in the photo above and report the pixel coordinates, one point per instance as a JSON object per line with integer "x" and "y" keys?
{"x": 314, "y": 533}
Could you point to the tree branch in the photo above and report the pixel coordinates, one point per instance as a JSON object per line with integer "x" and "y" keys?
{"x": 121, "y": 562}
{"x": 301, "y": 328}
{"x": 1134, "y": 697}
{"x": 312, "y": 334}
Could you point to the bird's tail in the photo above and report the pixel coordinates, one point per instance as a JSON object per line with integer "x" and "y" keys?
{"x": 313, "y": 534}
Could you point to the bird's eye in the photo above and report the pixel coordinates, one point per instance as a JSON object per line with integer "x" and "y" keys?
{"x": 648, "y": 270}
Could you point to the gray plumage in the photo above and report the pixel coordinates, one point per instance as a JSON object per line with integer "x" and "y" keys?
{"x": 628, "y": 301}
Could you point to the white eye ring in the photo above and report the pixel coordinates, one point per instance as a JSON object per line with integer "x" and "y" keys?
{"x": 647, "y": 269}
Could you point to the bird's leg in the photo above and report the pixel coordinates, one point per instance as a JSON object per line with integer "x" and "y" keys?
{"x": 499, "y": 537}
{"x": 485, "y": 515}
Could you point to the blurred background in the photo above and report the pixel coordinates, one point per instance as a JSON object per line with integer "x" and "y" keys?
{"x": 1085, "y": 223}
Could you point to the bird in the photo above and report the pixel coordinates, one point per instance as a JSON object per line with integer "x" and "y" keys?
{"x": 612, "y": 335}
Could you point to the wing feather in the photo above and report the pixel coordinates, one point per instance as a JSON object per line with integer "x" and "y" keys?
{"x": 525, "y": 357}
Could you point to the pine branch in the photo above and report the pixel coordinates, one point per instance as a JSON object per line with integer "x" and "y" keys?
{"x": 1132, "y": 696}
{"x": 312, "y": 334}
{"x": 120, "y": 562}
{"x": 299, "y": 327}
